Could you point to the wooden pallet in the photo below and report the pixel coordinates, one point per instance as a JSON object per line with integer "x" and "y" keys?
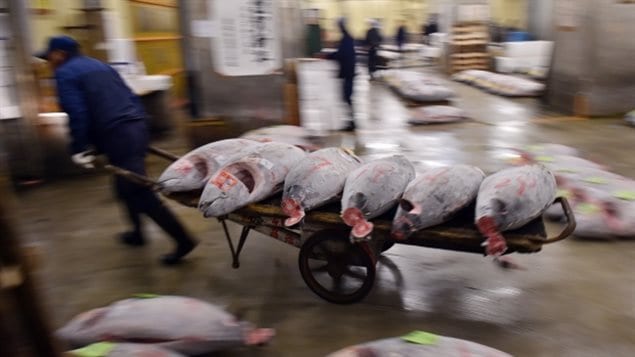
{"x": 468, "y": 47}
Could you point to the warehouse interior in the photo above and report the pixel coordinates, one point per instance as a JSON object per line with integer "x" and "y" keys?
{"x": 499, "y": 86}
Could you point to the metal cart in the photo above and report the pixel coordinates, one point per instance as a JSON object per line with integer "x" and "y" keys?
{"x": 343, "y": 272}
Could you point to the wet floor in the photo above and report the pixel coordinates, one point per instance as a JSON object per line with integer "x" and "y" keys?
{"x": 575, "y": 298}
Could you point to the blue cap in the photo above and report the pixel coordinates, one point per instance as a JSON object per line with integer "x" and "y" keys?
{"x": 62, "y": 43}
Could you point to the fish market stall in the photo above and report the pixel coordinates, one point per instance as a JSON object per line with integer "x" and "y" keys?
{"x": 337, "y": 269}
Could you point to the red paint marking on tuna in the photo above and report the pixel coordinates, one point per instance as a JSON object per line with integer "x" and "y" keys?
{"x": 224, "y": 179}
{"x": 463, "y": 351}
{"x": 522, "y": 187}
{"x": 378, "y": 173}
{"x": 503, "y": 183}
{"x": 361, "y": 173}
{"x": 433, "y": 178}
{"x": 323, "y": 163}
{"x": 184, "y": 168}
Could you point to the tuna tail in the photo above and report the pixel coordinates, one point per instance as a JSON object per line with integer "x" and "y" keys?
{"x": 354, "y": 217}
{"x": 495, "y": 243}
{"x": 403, "y": 225}
{"x": 294, "y": 210}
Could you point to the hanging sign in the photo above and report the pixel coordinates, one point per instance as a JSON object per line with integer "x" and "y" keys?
{"x": 246, "y": 41}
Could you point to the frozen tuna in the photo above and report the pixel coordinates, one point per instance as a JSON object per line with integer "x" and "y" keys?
{"x": 511, "y": 198}
{"x": 604, "y": 211}
{"x": 373, "y": 189}
{"x": 534, "y": 153}
{"x": 317, "y": 180}
{"x": 436, "y": 114}
{"x": 434, "y": 197}
{"x": 109, "y": 349}
{"x": 289, "y": 134}
{"x": 191, "y": 172}
{"x": 181, "y": 324}
{"x": 434, "y": 345}
{"x": 250, "y": 179}
{"x": 565, "y": 163}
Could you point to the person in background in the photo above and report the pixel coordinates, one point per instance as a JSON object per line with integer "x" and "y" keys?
{"x": 104, "y": 115}
{"x": 401, "y": 35}
{"x": 430, "y": 28}
{"x": 373, "y": 40}
{"x": 345, "y": 56}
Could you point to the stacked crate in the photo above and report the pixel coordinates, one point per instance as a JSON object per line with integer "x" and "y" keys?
{"x": 468, "y": 47}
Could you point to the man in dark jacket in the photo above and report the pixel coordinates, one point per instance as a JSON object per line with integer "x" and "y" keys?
{"x": 373, "y": 40}
{"x": 106, "y": 116}
{"x": 401, "y": 36}
{"x": 345, "y": 56}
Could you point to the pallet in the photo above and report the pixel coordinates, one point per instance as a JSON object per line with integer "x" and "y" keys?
{"x": 469, "y": 47}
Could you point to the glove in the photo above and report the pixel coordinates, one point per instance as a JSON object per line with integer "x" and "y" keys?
{"x": 84, "y": 159}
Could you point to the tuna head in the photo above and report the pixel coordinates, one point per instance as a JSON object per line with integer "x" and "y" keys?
{"x": 292, "y": 204}
{"x": 225, "y": 192}
{"x": 78, "y": 331}
{"x": 403, "y": 225}
{"x": 186, "y": 174}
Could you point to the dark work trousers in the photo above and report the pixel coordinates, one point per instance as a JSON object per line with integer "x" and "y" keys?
{"x": 372, "y": 60}
{"x": 347, "y": 87}
{"x": 125, "y": 146}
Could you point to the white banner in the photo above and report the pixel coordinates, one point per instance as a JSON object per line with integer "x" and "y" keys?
{"x": 246, "y": 40}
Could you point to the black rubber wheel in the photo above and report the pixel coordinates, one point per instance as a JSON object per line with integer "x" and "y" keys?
{"x": 387, "y": 245}
{"x": 335, "y": 269}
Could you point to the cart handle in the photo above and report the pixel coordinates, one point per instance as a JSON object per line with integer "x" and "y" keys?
{"x": 162, "y": 153}
{"x": 132, "y": 176}
{"x": 135, "y": 177}
{"x": 568, "y": 229}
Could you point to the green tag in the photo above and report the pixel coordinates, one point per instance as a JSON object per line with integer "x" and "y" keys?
{"x": 544, "y": 158}
{"x": 597, "y": 180}
{"x": 421, "y": 338}
{"x": 625, "y": 195}
{"x": 100, "y": 349}
{"x": 588, "y": 208}
{"x": 145, "y": 296}
{"x": 563, "y": 193}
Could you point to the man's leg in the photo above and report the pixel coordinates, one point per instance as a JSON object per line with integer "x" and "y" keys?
{"x": 127, "y": 150}
{"x": 347, "y": 87}
{"x": 372, "y": 62}
{"x": 134, "y": 237}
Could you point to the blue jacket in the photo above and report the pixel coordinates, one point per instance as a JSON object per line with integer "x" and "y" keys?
{"x": 96, "y": 100}
{"x": 345, "y": 55}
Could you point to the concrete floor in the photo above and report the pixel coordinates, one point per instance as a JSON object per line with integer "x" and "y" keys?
{"x": 575, "y": 298}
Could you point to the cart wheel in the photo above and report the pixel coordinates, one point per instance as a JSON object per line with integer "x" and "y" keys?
{"x": 387, "y": 245}
{"x": 335, "y": 269}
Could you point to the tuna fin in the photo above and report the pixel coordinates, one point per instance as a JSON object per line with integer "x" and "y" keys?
{"x": 295, "y": 219}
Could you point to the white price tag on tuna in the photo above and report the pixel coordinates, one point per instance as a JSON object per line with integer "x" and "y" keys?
{"x": 266, "y": 164}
